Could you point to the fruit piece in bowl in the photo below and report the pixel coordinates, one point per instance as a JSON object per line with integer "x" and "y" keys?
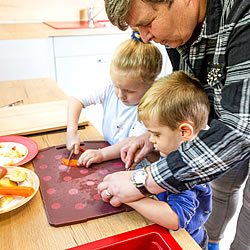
{"x": 9, "y": 184}
{"x": 18, "y": 175}
{"x": 11, "y": 153}
{"x": 14, "y": 194}
{"x": 3, "y": 172}
{"x": 5, "y": 200}
{"x": 6, "y": 182}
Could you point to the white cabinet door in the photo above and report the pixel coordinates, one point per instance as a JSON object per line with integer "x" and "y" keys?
{"x": 79, "y": 72}
{"x": 84, "y": 60}
{"x": 26, "y": 59}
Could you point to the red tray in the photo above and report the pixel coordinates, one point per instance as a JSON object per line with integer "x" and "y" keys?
{"x": 151, "y": 237}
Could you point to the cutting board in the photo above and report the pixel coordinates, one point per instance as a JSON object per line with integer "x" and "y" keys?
{"x": 70, "y": 193}
{"x": 35, "y": 118}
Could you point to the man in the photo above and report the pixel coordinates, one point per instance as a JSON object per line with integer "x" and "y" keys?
{"x": 211, "y": 41}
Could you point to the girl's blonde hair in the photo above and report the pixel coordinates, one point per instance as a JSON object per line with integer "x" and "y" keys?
{"x": 173, "y": 99}
{"x": 140, "y": 60}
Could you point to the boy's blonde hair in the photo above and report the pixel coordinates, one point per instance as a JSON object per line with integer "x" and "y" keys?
{"x": 140, "y": 60}
{"x": 173, "y": 99}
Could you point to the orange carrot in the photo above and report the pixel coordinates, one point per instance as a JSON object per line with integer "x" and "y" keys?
{"x": 17, "y": 191}
{"x": 70, "y": 163}
{"x": 82, "y": 149}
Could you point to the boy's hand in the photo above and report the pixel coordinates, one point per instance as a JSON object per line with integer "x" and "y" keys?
{"x": 90, "y": 156}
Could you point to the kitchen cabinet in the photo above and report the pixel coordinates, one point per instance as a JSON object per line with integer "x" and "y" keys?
{"x": 26, "y": 59}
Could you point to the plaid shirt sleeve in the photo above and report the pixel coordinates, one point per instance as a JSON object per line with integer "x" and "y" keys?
{"x": 227, "y": 142}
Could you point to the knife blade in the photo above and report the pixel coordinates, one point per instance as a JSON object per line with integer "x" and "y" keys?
{"x": 70, "y": 155}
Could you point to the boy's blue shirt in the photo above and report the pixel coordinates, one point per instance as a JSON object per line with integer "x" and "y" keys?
{"x": 193, "y": 208}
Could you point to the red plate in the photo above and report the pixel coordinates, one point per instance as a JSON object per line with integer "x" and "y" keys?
{"x": 28, "y": 143}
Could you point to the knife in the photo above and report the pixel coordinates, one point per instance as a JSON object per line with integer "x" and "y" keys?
{"x": 133, "y": 164}
{"x": 71, "y": 153}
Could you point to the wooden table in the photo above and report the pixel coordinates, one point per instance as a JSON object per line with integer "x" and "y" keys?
{"x": 27, "y": 227}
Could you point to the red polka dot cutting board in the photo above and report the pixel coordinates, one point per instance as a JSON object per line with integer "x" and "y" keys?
{"x": 70, "y": 193}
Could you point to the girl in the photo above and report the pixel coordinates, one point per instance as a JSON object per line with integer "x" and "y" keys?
{"x": 134, "y": 67}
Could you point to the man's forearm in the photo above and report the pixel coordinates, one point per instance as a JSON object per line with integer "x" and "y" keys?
{"x": 151, "y": 185}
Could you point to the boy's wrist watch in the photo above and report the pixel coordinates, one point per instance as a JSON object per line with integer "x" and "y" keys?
{"x": 139, "y": 179}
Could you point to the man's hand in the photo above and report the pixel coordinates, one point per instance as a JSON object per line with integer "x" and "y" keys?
{"x": 130, "y": 154}
{"x": 117, "y": 188}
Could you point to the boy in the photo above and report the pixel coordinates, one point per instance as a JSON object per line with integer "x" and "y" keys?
{"x": 175, "y": 110}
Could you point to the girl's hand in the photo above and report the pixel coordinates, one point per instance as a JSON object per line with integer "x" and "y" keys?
{"x": 90, "y": 156}
{"x": 73, "y": 142}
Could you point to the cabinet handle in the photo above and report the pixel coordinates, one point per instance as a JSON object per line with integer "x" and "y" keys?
{"x": 102, "y": 61}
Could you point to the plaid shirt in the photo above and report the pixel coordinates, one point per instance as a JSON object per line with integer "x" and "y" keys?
{"x": 220, "y": 58}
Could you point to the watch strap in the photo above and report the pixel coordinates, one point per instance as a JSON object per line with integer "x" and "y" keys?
{"x": 144, "y": 191}
{"x": 142, "y": 188}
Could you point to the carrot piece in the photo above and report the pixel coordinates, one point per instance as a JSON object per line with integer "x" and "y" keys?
{"x": 70, "y": 163}
{"x": 17, "y": 191}
{"x": 82, "y": 149}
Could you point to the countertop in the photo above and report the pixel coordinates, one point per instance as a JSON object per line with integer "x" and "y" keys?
{"x": 12, "y": 31}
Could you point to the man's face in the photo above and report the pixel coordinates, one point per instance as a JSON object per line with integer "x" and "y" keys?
{"x": 173, "y": 26}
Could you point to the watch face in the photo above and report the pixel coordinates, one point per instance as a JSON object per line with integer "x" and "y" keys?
{"x": 139, "y": 177}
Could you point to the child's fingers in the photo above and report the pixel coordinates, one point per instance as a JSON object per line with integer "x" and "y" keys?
{"x": 93, "y": 158}
{"x": 76, "y": 148}
{"x": 89, "y": 162}
{"x": 86, "y": 161}
{"x": 80, "y": 161}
